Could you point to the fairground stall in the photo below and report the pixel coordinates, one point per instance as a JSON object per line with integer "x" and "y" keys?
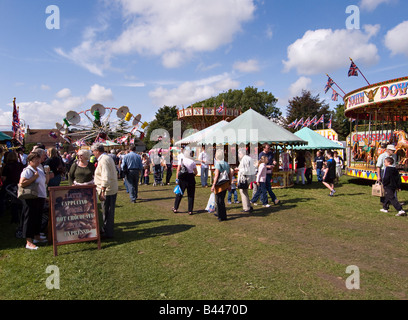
{"x": 378, "y": 116}
{"x": 254, "y": 129}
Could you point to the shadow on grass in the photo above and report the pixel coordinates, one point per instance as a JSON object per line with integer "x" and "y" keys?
{"x": 261, "y": 212}
{"x": 130, "y": 231}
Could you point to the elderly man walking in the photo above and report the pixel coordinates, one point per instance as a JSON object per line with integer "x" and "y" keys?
{"x": 106, "y": 181}
{"x": 132, "y": 166}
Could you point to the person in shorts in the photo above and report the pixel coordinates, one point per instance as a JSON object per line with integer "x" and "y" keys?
{"x": 330, "y": 173}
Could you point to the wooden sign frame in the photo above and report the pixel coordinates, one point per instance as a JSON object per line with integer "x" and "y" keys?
{"x": 74, "y": 215}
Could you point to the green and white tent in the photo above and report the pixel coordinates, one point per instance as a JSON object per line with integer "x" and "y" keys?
{"x": 252, "y": 127}
{"x": 200, "y": 135}
{"x": 316, "y": 141}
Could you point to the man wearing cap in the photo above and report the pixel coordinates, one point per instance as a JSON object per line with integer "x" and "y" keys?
{"x": 389, "y": 152}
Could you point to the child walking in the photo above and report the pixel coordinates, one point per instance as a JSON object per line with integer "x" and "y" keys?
{"x": 391, "y": 182}
{"x": 261, "y": 181}
{"x": 233, "y": 190}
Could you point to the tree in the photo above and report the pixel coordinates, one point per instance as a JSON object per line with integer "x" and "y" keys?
{"x": 341, "y": 123}
{"x": 305, "y": 106}
{"x": 163, "y": 120}
{"x": 262, "y": 102}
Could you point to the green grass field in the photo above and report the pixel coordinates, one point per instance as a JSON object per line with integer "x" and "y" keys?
{"x": 298, "y": 250}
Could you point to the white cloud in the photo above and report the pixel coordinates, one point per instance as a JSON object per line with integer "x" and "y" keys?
{"x": 192, "y": 91}
{"x": 395, "y": 39}
{"x": 371, "y": 5}
{"x": 99, "y": 93}
{"x": 296, "y": 88}
{"x": 325, "y": 50}
{"x": 172, "y": 30}
{"x": 64, "y": 93}
{"x": 247, "y": 66}
{"x": 45, "y": 87}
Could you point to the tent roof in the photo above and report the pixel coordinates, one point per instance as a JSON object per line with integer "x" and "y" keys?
{"x": 4, "y": 137}
{"x": 198, "y": 136}
{"x": 252, "y": 127}
{"x": 316, "y": 141}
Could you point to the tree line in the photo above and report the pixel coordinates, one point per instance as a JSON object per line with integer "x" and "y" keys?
{"x": 305, "y": 105}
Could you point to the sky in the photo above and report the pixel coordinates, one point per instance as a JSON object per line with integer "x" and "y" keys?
{"x": 60, "y": 55}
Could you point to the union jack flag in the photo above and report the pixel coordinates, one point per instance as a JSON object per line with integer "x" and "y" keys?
{"x": 329, "y": 125}
{"x": 17, "y": 132}
{"x": 335, "y": 96}
{"x": 293, "y": 124}
{"x": 299, "y": 123}
{"x": 329, "y": 84}
{"x": 313, "y": 121}
{"x": 321, "y": 120}
{"x": 353, "y": 70}
{"x": 307, "y": 122}
{"x": 221, "y": 108}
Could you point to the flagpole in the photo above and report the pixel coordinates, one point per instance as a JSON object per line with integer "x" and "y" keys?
{"x": 360, "y": 72}
{"x": 335, "y": 83}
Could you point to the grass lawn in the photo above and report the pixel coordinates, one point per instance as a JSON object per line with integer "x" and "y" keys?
{"x": 299, "y": 250}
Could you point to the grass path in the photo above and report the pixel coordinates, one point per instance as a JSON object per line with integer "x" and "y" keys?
{"x": 299, "y": 250}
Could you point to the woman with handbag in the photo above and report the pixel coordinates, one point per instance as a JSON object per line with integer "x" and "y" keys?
{"x": 186, "y": 172}
{"x": 246, "y": 175}
{"x": 34, "y": 178}
{"x": 221, "y": 183}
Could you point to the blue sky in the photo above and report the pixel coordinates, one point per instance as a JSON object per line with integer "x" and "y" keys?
{"x": 146, "y": 54}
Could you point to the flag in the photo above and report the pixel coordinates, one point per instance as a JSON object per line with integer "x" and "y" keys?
{"x": 299, "y": 123}
{"x": 307, "y": 122}
{"x": 335, "y": 95}
{"x": 221, "y": 108}
{"x": 17, "y": 135}
{"x": 321, "y": 120}
{"x": 313, "y": 121}
{"x": 293, "y": 124}
{"x": 330, "y": 82}
{"x": 329, "y": 125}
{"x": 353, "y": 70}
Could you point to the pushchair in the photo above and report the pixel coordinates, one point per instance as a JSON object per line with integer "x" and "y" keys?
{"x": 158, "y": 175}
{"x": 22, "y": 210}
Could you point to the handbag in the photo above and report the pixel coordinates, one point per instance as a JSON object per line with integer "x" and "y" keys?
{"x": 243, "y": 183}
{"x": 223, "y": 178}
{"x": 29, "y": 192}
{"x": 378, "y": 189}
{"x": 183, "y": 172}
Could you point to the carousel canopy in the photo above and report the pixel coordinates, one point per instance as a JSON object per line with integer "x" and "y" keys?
{"x": 315, "y": 141}
{"x": 252, "y": 127}
{"x": 5, "y": 137}
{"x": 198, "y": 136}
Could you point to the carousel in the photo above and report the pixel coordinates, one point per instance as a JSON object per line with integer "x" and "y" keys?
{"x": 379, "y": 113}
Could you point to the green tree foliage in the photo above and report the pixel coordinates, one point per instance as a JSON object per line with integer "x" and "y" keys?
{"x": 262, "y": 102}
{"x": 163, "y": 120}
{"x": 341, "y": 123}
{"x": 305, "y": 106}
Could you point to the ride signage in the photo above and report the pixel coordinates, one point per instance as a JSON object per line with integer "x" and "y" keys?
{"x": 377, "y": 94}
{"x": 74, "y": 215}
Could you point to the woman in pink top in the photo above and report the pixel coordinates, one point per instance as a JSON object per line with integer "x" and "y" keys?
{"x": 261, "y": 182}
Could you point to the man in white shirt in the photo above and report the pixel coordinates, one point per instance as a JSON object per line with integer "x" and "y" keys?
{"x": 203, "y": 159}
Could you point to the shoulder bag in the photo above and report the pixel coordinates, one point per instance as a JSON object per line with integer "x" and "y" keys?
{"x": 183, "y": 172}
{"x": 28, "y": 192}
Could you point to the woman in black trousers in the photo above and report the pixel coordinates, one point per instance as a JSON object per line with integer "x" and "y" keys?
{"x": 186, "y": 183}
{"x": 221, "y": 190}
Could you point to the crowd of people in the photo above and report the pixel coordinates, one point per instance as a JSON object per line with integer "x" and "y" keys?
{"x": 46, "y": 168}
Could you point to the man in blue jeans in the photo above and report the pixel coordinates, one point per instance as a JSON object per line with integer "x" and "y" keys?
{"x": 318, "y": 162}
{"x": 267, "y": 152}
{"x": 132, "y": 166}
